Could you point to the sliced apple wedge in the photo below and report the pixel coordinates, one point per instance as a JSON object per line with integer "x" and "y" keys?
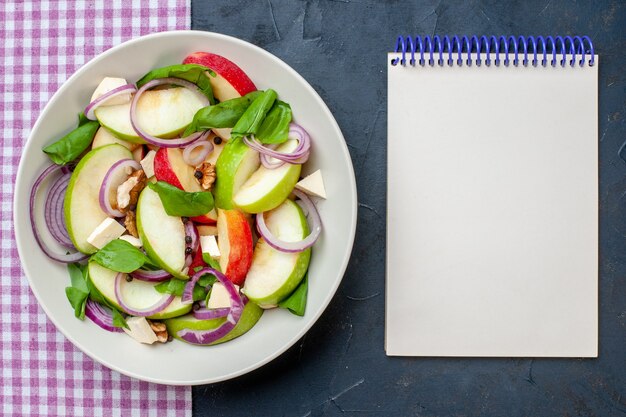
{"x": 230, "y": 80}
{"x": 81, "y": 206}
{"x": 169, "y": 166}
{"x": 235, "y": 244}
{"x": 138, "y": 294}
{"x": 103, "y": 137}
{"x": 249, "y": 317}
{"x": 235, "y": 165}
{"x": 267, "y": 188}
{"x": 161, "y": 113}
{"x": 163, "y": 236}
{"x": 273, "y": 274}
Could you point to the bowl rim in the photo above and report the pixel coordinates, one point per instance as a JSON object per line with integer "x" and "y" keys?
{"x": 20, "y": 183}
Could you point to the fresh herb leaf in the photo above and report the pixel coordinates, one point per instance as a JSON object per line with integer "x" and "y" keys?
{"x": 193, "y": 73}
{"x": 224, "y": 114}
{"x": 119, "y": 255}
{"x": 77, "y": 277}
{"x": 296, "y": 302}
{"x": 77, "y": 299}
{"x": 78, "y": 292}
{"x": 118, "y": 318}
{"x": 176, "y": 286}
{"x": 177, "y": 202}
{"x": 210, "y": 261}
{"x": 275, "y": 127}
{"x": 253, "y": 117}
{"x": 82, "y": 119}
{"x": 206, "y": 280}
{"x": 70, "y": 146}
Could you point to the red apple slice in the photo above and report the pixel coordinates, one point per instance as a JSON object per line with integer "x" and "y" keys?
{"x": 230, "y": 80}
{"x": 234, "y": 239}
{"x": 169, "y": 166}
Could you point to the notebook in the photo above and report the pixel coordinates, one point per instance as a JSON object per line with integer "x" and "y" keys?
{"x": 492, "y": 207}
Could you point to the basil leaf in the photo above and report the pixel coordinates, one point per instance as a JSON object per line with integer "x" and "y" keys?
{"x": 118, "y": 318}
{"x": 119, "y": 255}
{"x": 177, "y": 202}
{"x": 77, "y": 277}
{"x": 296, "y": 302}
{"x": 275, "y": 127}
{"x": 254, "y": 115}
{"x": 82, "y": 119}
{"x": 176, "y": 286}
{"x": 78, "y": 292}
{"x": 70, "y": 146}
{"x": 210, "y": 261}
{"x": 193, "y": 73}
{"x": 77, "y": 299}
{"x": 224, "y": 114}
{"x": 206, "y": 280}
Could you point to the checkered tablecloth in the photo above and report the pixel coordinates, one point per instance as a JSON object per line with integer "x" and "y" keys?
{"x": 42, "y": 42}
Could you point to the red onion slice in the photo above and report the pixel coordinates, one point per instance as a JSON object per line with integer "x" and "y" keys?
{"x": 157, "y": 307}
{"x": 101, "y": 316}
{"x": 200, "y": 154}
{"x": 205, "y": 337}
{"x": 211, "y": 313}
{"x": 91, "y": 107}
{"x": 267, "y": 163}
{"x": 298, "y": 156}
{"x": 113, "y": 179}
{"x": 151, "y": 276}
{"x": 292, "y": 247}
{"x": 165, "y": 143}
{"x": 69, "y": 258}
{"x": 54, "y": 214}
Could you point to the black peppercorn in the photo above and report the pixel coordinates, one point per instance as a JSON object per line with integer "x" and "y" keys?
{"x": 185, "y": 219}
{"x": 188, "y": 251}
{"x": 197, "y": 174}
{"x": 217, "y": 140}
{"x": 188, "y": 239}
{"x": 129, "y": 278}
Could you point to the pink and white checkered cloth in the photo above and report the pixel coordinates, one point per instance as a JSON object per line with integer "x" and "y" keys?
{"x": 42, "y": 42}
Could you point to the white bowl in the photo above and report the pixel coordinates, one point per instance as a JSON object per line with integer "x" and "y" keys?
{"x": 176, "y": 362}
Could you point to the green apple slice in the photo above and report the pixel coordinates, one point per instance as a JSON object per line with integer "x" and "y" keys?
{"x": 249, "y": 317}
{"x": 267, "y": 188}
{"x": 163, "y": 236}
{"x": 234, "y": 166}
{"x": 161, "y": 113}
{"x": 81, "y": 205}
{"x": 139, "y": 294}
{"x": 273, "y": 274}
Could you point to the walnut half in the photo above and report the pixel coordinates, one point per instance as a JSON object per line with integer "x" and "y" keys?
{"x": 160, "y": 330}
{"x": 128, "y": 191}
{"x": 205, "y": 174}
{"x": 131, "y": 224}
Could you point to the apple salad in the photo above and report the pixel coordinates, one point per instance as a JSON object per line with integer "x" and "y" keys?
{"x": 179, "y": 204}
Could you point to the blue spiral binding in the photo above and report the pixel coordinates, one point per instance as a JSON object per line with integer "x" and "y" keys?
{"x": 471, "y": 47}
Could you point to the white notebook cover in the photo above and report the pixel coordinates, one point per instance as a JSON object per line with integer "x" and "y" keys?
{"x": 492, "y": 211}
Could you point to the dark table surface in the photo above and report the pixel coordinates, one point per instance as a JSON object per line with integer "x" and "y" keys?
{"x": 339, "y": 368}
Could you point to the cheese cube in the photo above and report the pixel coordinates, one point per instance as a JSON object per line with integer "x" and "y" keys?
{"x": 313, "y": 185}
{"x": 209, "y": 245}
{"x": 140, "y": 330}
{"x": 219, "y": 296}
{"x": 147, "y": 163}
{"x": 108, "y": 84}
{"x": 106, "y": 231}
{"x": 136, "y": 242}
